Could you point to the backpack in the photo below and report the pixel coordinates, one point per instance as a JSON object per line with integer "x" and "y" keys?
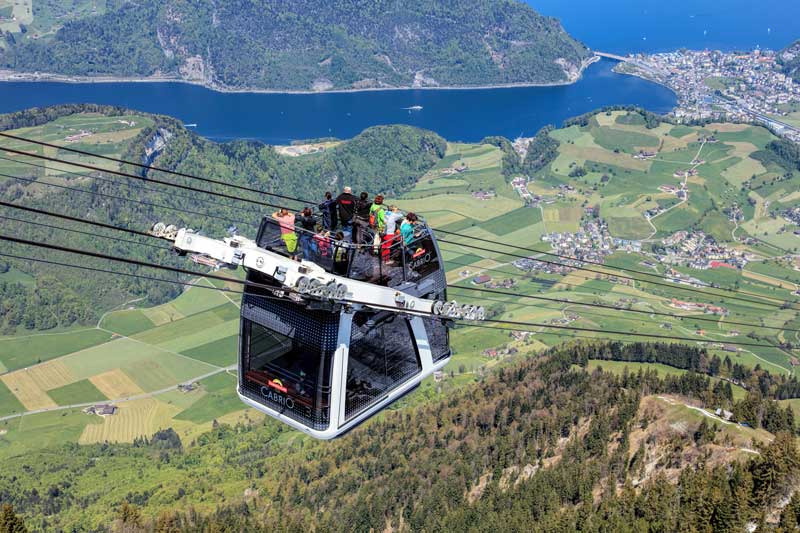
{"x": 373, "y": 215}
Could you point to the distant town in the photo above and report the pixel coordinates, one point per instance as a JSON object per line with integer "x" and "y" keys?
{"x": 734, "y": 86}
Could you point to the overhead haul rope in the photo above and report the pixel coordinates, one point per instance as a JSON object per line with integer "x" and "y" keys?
{"x": 157, "y": 169}
{"x": 246, "y": 283}
{"x": 121, "y": 198}
{"x": 669, "y": 285}
{"x": 612, "y": 308}
{"x": 647, "y": 297}
{"x": 131, "y": 185}
{"x": 473, "y": 289}
{"x": 135, "y": 177}
{"x": 251, "y": 189}
{"x": 226, "y": 290}
{"x": 584, "y": 261}
{"x": 70, "y": 230}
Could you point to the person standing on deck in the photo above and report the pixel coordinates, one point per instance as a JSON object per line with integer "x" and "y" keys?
{"x": 391, "y": 237}
{"x": 408, "y": 227}
{"x": 346, "y": 203}
{"x": 361, "y": 221}
{"x": 307, "y": 223}
{"x": 329, "y": 214}
{"x": 286, "y": 223}
{"x": 377, "y": 214}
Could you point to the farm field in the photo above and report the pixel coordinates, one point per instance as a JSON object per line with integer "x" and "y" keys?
{"x": 20, "y": 352}
{"x": 606, "y": 147}
{"x": 128, "y": 356}
{"x": 137, "y": 355}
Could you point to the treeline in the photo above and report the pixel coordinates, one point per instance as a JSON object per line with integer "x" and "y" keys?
{"x": 781, "y": 152}
{"x": 385, "y": 159}
{"x": 791, "y": 67}
{"x": 533, "y": 446}
{"x": 758, "y": 409}
{"x": 542, "y": 151}
{"x": 651, "y": 120}
{"x": 307, "y": 44}
{"x": 511, "y": 163}
{"x": 49, "y": 304}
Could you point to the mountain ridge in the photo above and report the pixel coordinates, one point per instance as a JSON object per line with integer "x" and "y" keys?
{"x": 301, "y": 46}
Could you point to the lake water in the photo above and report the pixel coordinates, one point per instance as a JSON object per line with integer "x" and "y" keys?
{"x": 618, "y": 26}
{"x": 467, "y": 115}
{"x": 625, "y": 26}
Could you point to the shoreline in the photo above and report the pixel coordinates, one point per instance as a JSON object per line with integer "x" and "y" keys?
{"x": 651, "y": 80}
{"x": 9, "y": 76}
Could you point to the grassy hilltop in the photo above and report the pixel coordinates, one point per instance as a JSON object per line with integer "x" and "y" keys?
{"x": 297, "y": 45}
{"x": 136, "y": 343}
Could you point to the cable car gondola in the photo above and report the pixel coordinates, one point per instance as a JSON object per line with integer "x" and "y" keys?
{"x": 331, "y": 340}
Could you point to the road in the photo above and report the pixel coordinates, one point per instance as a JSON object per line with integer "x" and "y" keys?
{"x": 685, "y": 198}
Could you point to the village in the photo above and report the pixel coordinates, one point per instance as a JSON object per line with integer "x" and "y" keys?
{"x": 734, "y": 86}
{"x": 695, "y": 249}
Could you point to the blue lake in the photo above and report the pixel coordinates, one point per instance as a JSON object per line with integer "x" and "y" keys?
{"x": 618, "y": 26}
{"x": 467, "y": 115}
{"x": 625, "y": 26}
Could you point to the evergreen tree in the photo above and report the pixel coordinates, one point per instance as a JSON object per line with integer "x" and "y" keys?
{"x": 10, "y": 522}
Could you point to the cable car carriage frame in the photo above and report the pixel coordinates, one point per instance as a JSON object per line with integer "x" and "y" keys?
{"x": 331, "y": 340}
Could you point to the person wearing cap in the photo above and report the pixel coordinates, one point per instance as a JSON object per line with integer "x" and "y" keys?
{"x": 346, "y": 204}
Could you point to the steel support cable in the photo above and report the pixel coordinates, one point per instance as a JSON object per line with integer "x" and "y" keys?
{"x": 121, "y": 198}
{"x": 225, "y": 290}
{"x": 156, "y": 169}
{"x": 612, "y": 308}
{"x": 388, "y": 308}
{"x": 472, "y": 289}
{"x": 131, "y": 185}
{"x": 141, "y": 178}
{"x": 583, "y": 261}
{"x": 695, "y": 290}
{"x": 648, "y": 298}
{"x": 70, "y": 230}
{"x": 671, "y": 286}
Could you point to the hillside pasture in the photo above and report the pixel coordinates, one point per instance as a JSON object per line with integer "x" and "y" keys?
{"x": 222, "y": 352}
{"x": 220, "y": 399}
{"x": 9, "y": 404}
{"x": 115, "y": 384}
{"x": 21, "y": 352}
{"x": 79, "y": 392}
{"x": 128, "y": 322}
{"x": 138, "y": 418}
{"x": 27, "y": 392}
{"x": 626, "y": 141}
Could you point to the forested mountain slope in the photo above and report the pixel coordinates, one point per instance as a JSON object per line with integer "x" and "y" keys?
{"x": 307, "y": 44}
{"x": 790, "y": 59}
{"x": 386, "y": 158}
{"x": 538, "y": 445}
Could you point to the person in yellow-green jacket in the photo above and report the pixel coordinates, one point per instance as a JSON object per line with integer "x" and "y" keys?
{"x": 377, "y": 215}
{"x": 377, "y": 221}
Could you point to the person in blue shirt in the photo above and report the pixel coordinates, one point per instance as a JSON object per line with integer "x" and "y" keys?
{"x": 407, "y": 228}
{"x": 329, "y": 214}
